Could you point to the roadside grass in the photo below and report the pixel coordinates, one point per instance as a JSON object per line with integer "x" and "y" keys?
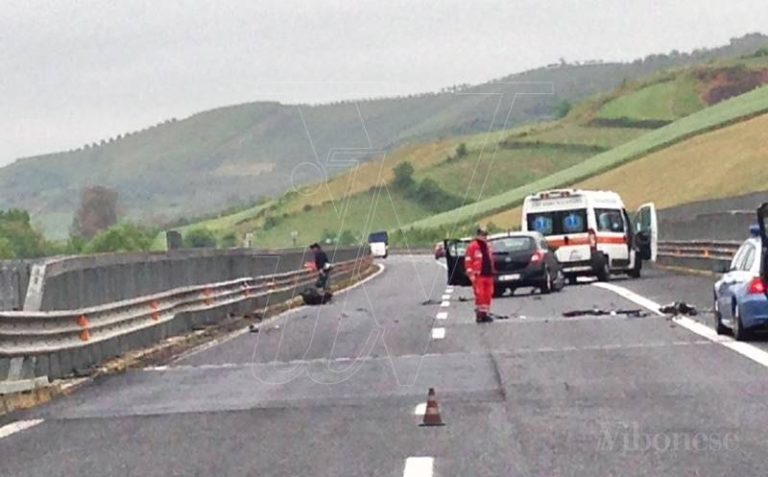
{"x": 719, "y": 116}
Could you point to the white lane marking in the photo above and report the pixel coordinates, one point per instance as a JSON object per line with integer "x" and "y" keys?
{"x": 442, "y": 315}
{"x": 631, "y": 296}
{"x": 442, "y": 264}
{"x": 240, "y": 332}
{"x": 420, "y": 410}
{"x": 18, "y": 426}
{"x": 446, "y": 297}
{"x": 438, "y": 333}
{"x": 449, "y": 290}
{"x": 445, "y": 304}
{"x": 745, "y": 349}
{"x": 419, "y": 467}
{"x": 365, "y": 359}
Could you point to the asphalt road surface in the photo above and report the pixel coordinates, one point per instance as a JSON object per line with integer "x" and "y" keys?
{"x": 338, "y": 390}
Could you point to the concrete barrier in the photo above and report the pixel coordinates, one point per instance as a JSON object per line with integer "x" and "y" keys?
{"x": 77, "y": 282}
{"x": 35, "y": 344}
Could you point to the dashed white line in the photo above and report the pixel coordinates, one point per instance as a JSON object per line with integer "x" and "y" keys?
{"x": 449, "y": 290}
{"x": 446, "y": 297}
{"x": 443, "y": 315}
{"x": 745, "y": 349}
{"x": 18, "y": 426}
{"x": 438, "y": 333}
{"x": 419, "y": 467}
{"x": 445, "y": 304}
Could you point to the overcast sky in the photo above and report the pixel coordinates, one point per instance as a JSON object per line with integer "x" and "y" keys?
{"x": 76, "y": 71}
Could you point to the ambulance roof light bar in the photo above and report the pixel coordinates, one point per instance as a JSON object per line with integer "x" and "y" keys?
{"x": 557, "y": 193}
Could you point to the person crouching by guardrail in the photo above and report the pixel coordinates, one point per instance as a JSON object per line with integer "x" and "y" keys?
{"x": 323, "y": 267}
{"x": 479, "y": 266}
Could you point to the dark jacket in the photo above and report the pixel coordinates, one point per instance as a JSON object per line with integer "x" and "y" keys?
{"x": 320, "y": 260}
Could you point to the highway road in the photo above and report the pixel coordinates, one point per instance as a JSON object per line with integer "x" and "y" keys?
{"x": 338, "y": 391}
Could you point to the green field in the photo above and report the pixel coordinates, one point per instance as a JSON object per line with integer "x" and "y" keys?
{"x": 491, "y": 172}
{"x": 359, "y": 214}
{"x": 666, "y": 101}
{"x": 715, "y": 117}
{"x": 569, "y": 133}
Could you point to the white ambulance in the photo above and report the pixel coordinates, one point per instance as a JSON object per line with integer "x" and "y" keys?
{"x": 592, "y": 231}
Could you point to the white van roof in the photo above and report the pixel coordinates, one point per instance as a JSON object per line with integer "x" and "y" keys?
{"x": 594, "y": 198}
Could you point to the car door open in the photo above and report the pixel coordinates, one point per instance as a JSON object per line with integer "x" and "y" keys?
{"x": 762, "y": 220}
{"x": 647, "y": 232}
{"x": 454, "y": 260}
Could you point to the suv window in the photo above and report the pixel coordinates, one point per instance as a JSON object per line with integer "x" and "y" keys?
{"x": 610, "y": 220}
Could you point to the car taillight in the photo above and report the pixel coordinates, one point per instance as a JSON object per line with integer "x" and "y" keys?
{"x": 757, "y": 287}
{"x": 537, "y": 257}
{"x": 592, "y": 240}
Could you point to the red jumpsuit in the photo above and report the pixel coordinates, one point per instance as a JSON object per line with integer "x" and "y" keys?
{"x": 478, "y": 263}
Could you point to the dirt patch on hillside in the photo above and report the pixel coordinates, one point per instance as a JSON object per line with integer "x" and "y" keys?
{"x": 725, "y": 83}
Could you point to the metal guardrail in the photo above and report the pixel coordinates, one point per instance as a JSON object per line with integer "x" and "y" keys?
{"x": 57, "y": 343}
{"x": 698, "y": 249}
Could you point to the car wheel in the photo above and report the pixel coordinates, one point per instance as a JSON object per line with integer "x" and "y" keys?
{"x": 498, "y": 292}
{"x": 604, "y": 273}
{"x": 719, "y": 327}
{"x": 547, "y": 286}
{"x": 559, "y": 282}
{"x": 739, "y": 333}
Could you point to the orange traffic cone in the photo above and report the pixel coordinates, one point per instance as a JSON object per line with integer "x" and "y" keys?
{"x": 432, "y": 414}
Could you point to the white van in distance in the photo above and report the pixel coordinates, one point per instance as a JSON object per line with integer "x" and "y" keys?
{"x": 592, "y": 231}
{"x": 379, "y": 244}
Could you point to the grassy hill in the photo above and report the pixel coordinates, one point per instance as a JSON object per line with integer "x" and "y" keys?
{"x": 241, "y": 153}
{"x": 498, "y": 169}
{"x": 725, "y": 163}
{"x": 726, "y": 113}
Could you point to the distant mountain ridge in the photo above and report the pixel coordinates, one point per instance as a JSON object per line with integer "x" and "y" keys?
{"x": 238, "y": 153}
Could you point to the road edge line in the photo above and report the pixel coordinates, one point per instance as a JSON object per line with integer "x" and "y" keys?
{"x": 745, "y": 349}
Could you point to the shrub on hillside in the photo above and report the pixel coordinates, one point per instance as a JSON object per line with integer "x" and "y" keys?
{"x": 17, "y": 237}
{"x": 199, "y": 238}
{"x": 403, "y": 176}
{"x": 125, "y": 237}
{"x": 229, "y": 240}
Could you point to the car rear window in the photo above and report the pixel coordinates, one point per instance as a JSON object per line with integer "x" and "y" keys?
{"x": 560, "y": 222}
{"x": 512, "y": 244}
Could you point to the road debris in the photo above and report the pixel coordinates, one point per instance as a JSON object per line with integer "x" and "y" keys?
{"x": 429, "y": 302}
{"x": 633, "y": 313}
{"x": 679, "y": 308}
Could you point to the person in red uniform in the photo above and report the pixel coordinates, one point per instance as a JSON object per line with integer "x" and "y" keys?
{"x": 480, "y": 269}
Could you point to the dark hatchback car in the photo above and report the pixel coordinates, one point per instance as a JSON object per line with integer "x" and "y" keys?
{"x": 522, "y": 259}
